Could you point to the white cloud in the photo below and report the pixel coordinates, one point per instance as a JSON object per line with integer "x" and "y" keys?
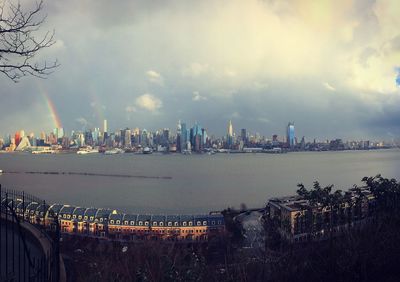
{"x": 155, "y": 77}
{"x": 329, "y": 87}
{"x": 148, "y": 102}
{"x": 197, "y": 97}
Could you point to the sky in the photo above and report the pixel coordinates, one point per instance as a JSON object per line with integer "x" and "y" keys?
{"x": 332, "y": 67}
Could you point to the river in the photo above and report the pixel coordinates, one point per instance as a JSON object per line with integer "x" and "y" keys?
{"x": 177, "y": 183}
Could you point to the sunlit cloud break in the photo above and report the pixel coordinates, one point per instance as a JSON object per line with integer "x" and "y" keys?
{"x": 148, "y": 102}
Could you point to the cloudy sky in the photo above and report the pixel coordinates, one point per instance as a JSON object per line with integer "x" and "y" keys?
{"x": 332, "y": 67}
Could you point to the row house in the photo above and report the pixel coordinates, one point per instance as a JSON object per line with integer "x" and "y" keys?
{"x": 297, "y": 220}
{"x": 115, "y": 225}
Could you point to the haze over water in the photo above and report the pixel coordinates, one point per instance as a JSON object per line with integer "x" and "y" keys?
{"x": 194, "y": 184}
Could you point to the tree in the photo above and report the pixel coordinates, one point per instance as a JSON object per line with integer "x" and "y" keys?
{"x": 19, "y": 42}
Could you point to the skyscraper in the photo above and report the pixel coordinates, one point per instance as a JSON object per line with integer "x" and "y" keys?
{"x": 58, "y": 132}
{"x": 290, "y": 135}
{"x": 230, "y": 129}
{"x": 229, "y": 136}
{"x": 17, "y": 138}
{"x": 178, "y": 136}
{"x": 105, "y": 131}
{"x": 127, "y": 138}
{"x": 184, "y": 137}
{"x": 196, "y": 138}
{"x": 105, "y": 126}
{"x": 243, "y": 135}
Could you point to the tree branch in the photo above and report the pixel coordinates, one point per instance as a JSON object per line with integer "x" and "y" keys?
{"x": 19, "y": 44}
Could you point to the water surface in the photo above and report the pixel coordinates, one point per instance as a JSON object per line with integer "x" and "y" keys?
{"x": 188, "y": 183}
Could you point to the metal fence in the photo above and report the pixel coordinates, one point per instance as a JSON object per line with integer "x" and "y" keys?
{"x": 29, "y": 237}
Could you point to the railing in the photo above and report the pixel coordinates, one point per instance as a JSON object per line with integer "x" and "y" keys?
{"x": 29, "y": 248}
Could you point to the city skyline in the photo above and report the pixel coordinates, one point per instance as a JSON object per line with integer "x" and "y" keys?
{"x": 286, "y": 133}
{"x": 156, "y": 63}
{"x": 184, "y": 139}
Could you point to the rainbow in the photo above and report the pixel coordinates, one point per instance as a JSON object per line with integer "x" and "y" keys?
{"x": 52, "y": 109}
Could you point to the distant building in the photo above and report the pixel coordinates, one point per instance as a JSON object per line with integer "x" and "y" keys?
{"x": 229, "y": 136}
{"x": 197, "y": 137}
{"x": 184, "y": 137}
{"x": 290, "y": 137}
{"x": 17, "y": 138}
{"x": 243, "y": 136}
{"x": 105, "y": 126}
{"x": 59, "y": 132}
{"x": 23, "y": 144}
{"x": 127, "y": 138}
{"x": 297, "y": 219}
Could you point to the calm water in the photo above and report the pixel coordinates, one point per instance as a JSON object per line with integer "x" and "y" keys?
{"x": 198, "y": 183}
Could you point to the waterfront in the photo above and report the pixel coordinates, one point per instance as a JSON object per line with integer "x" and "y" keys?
{"x": 177, "y": 183}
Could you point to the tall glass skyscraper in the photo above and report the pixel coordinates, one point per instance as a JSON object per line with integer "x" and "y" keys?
{"x": 290, "y": 135}
{"x": 184, "y": 136}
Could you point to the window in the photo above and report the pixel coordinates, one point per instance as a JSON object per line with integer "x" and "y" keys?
{"x": 118, "y": 222}
{"x": 91, "y": 218}
{"x": 190, "y": 223}
{"x": 79, "y": 217}
{"x": 155, "y": 223}
{"x": 161, "y": 223}
{"x": 74, "y": 216}
{"x": 176, "y": 223}
{"x": 213, "y": 222}
{"x": 184, "y": 223}
{"x": 146, "y": 223}
{"x": 140, "y": 223}
{"x": 112, "y": 221}
{"x": 101, "y": 219}
{"x": 126, "y": 222}
{"x": 204, "y": 223}
{"x": 219, "y": 222}
{"x": 64, "y": 216}
{"x": 86, "y": 217}
{"x": 132, "y": 222}
{"x": 69, "y": 216}
{"x": 198, "y": 223}
{"x": 169, "y": 223}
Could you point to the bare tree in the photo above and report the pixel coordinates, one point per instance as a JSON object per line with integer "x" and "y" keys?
{"x": 19, "y": 43}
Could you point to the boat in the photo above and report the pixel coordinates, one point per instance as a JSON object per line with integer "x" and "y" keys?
{"x": 147, "y": 151}
{"x": 114, "y": 151}
{"x": 43, "y": 151}
{"x": 88, "y": 150}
